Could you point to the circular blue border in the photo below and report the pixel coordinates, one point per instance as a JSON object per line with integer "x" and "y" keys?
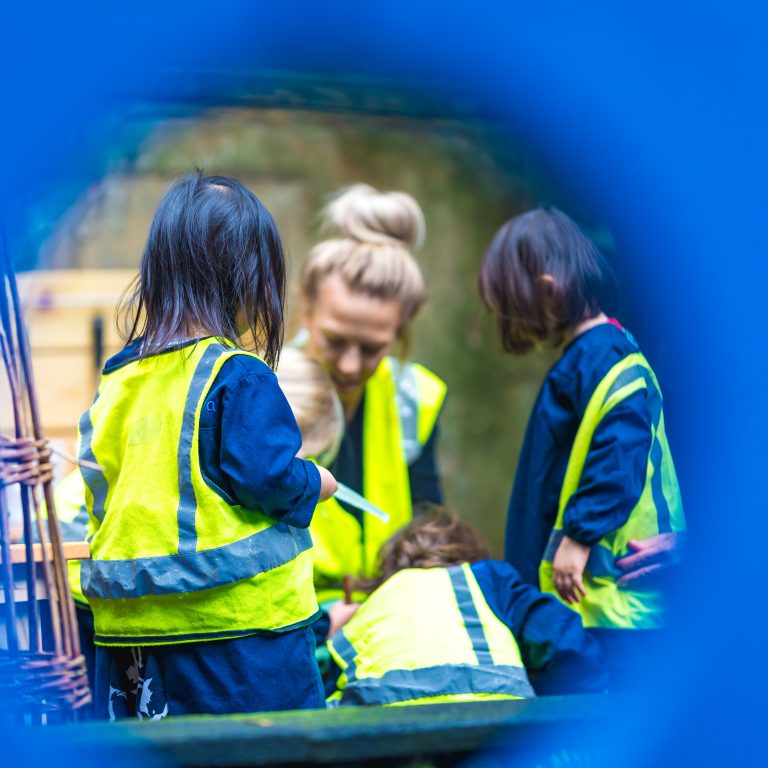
{"x": 654, "y": 115}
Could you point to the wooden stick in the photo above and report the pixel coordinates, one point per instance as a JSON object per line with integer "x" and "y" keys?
{"x": 66, "y": 605}
{"x": 11, "y": 367}
{"x": 347, "y": 583}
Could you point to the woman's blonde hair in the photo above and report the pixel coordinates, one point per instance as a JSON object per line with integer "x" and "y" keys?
{"x": 374, "y": 232}
{"x": 314, "y": 402}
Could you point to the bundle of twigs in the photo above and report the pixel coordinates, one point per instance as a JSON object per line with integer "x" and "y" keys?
{"x": 41, "y": 667}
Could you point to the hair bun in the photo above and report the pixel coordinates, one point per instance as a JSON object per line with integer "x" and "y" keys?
{"x": 362, "y": 213}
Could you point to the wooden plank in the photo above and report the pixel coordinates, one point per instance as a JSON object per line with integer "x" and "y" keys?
{"x": 73, "y": 550}
{"x": 60, "y": 306}
{"x": 66, "y": 383}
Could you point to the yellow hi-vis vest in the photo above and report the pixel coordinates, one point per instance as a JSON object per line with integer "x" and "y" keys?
{"x": 402, "y": 403}
{"x": 659, "y": 509}
{"x": 427, "y": 635}
{"x": 69, "y": 497}
{"x": 171, "y": 560}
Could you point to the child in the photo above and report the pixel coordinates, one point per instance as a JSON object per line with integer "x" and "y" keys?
{"x": 201, "y": 573}
{"x": 315, "y": 405}
{"x": 595, "y": 473}
{"x": 445, "y": 623}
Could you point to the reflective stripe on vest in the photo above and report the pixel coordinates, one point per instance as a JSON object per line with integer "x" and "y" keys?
{"x": 658, "y": 510}
{"x": 427, "y": 635}
{"x": 402, "y": 403}
{"x": 172, "y": 560}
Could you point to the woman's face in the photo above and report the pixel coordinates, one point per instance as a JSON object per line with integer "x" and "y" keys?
{"x": 349, "y": 334}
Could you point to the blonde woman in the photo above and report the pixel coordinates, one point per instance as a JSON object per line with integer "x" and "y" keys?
{"x": 360, "y": 291}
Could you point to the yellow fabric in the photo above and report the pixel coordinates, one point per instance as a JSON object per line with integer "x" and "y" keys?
{"x": 606, "y": 604}
{"x": 69, "y": 497}
{"x": 341, "y": 545}
{"x": 414, "y": 623}
{"x": 138, "y": 435}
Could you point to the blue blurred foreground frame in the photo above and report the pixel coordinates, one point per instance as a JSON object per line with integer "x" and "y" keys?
{"x": 653, "y": 116}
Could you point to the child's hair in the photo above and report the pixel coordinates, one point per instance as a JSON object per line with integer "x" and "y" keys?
{"x": 542, "y": 276}
{"x": 314, "y": 402}
{"x": 371, "y": 251}
{"x": 435, "y": 538}
{"x": 213, "y": 262}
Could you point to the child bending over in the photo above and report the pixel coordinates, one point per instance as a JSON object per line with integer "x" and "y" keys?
{"x": 443, "y": 622}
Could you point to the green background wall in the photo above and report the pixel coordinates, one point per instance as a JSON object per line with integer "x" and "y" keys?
{"x": 293, "y": 160}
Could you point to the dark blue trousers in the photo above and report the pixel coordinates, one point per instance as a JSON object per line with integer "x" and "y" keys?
{"x": 258, "y": 673}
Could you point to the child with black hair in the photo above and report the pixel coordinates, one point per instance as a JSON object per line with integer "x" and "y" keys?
{"x": 201, "y": 573}
{"x": 443, "y": 622}
{"x": 595, "y": 475}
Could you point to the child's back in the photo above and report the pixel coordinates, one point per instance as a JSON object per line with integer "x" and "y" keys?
{"x": 457, "y": 631}
{"x": 201, "y": 576}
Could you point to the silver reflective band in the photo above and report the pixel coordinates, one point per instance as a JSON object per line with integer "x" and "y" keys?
{"x": 470, "y": 616}
{"x": 401, "y": 685}
{"x": 407, "y": 402}
{"x": 187, "y": 509}
{"x": 95, "y": 479}
{"x": 195, "y": 571}
{"x": 346, "y": 650}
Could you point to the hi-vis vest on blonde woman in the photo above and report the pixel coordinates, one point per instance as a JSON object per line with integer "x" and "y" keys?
{"x": 659, "y": 509}
{"x": 402, "y": 403}
{"x": 171, "y": 560}
{"x": 427, "y": 635}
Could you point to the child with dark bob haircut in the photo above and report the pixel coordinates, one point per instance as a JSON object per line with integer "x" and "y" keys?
{"x": 443, "y": 622}
{"x": 595, "y": 475}
{"x": 200, "y": 579}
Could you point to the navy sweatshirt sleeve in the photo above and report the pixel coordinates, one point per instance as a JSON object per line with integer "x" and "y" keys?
{"x": 614, "y": 473}
{"x": 559, "y": 656}
{"x": 248, "y": 444}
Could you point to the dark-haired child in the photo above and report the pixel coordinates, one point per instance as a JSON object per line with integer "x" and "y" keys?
{"x": 443, "y": 622}
{"x": 201, "y": 573}
{"x": 595, "y": 474}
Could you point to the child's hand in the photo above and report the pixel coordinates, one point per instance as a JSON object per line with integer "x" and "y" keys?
{"x": 568, "y": 569}
{"x": 328, "y": 484}
{"x": 340, "y": 613}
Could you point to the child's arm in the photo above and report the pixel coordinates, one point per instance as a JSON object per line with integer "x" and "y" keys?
{"x": 611, "y": 484}
{"x": 568, "y": 569}
{"x": 248, "y": 445}
{"x": 558, "y": 654}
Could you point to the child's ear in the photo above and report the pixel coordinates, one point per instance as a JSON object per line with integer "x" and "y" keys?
{"x": 550, "y": 299}
{"x": 547, "y": 289}
{"x": 547, "y": 281}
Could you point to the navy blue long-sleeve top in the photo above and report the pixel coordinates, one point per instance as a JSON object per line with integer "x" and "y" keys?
{"x": 249, "y": 439}
{"x": 615, "y": 470}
